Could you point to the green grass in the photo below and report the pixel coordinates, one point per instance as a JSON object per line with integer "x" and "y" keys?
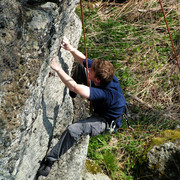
{"x": 139, "y": 47}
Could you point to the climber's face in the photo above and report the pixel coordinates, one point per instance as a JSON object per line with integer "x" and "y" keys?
{"x": 93, "y": 78}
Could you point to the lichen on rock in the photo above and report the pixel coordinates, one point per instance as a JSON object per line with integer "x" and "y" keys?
{"x": 162, "y": 159}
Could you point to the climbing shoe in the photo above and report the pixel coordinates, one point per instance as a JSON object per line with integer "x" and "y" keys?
{"x": 45, "y": 168}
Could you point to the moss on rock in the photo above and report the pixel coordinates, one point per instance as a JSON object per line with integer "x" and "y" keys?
{"x": 92, "y": 167}
{"x": 161, "y": 158}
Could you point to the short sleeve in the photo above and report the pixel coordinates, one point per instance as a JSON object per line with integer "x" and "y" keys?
{"x": 97, "y": 94}
{"x": 90, "y": 62}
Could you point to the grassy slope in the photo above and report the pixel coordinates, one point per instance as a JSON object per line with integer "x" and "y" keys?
{"x": 134, "y": 38}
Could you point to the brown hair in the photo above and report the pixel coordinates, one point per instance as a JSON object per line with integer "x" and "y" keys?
{"x": 104, "y": 71}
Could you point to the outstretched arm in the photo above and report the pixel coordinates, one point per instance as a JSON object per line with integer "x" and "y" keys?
{"x": 78, "y": 56}
{"x": 82, "y": 90}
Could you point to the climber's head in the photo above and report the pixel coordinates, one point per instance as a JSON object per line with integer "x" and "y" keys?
{"x": 101, "y": 72}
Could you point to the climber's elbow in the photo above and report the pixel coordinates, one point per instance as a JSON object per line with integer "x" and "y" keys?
{"x": 82, "y": 90}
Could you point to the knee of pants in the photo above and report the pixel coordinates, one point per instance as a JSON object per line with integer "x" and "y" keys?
{"x": 75, "y": 131}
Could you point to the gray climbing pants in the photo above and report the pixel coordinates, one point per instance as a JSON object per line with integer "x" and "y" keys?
{"x": 93, "y": 126}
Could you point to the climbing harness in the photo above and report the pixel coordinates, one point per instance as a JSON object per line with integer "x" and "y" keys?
{"x": 113, "y": 127}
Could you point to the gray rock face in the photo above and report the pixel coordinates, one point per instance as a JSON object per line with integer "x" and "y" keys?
{"x": 162, "y": 162}
{"x": 35, "y": 107}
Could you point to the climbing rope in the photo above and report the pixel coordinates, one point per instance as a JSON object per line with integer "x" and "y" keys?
{"x": 82, "y": 16}
{"x": 88, "y": 82}
{"x": 178, "y": 63}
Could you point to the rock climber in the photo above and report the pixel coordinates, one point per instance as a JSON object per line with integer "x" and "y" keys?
{"x": 105, "y": 94}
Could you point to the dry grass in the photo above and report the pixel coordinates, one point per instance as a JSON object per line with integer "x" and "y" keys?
{"x": 147, "y": 69}
{"x": 157, "y": 77}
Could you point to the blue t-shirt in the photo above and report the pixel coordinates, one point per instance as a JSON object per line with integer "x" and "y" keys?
{"x": 109, "y": 101}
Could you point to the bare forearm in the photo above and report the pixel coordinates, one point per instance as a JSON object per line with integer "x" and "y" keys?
{"x": 80, "y": 89}
{"x": 66, "y": 79}
{"x": 83, "y": 90}
{"x": 78, "y": 56}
